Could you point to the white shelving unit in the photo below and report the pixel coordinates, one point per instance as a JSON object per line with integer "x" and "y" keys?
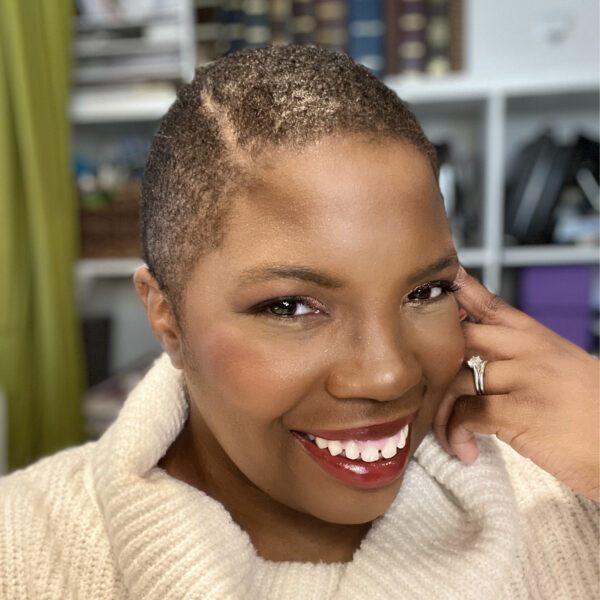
{"x": 126, "y": 69}
{"x": 111, "y": 53}
{"x": 491, "y": 106}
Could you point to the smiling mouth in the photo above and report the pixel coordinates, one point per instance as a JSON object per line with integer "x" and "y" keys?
{"x": 367, "y": 457}
{"x": 367, "y": 451}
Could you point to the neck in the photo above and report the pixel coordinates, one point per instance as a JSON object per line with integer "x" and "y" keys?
{"x": 278, "y": 532}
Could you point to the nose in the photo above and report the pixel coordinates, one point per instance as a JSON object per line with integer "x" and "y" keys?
{"x": 379, "y": 364}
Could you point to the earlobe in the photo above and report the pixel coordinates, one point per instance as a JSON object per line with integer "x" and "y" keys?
{"x": 159, "y": 313}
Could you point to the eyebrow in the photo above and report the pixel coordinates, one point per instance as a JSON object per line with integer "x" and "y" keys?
{"x": 299, "y": 273}
{"x": 450, "y": 259}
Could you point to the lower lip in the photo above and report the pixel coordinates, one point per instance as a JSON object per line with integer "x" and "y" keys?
{"x": 359, "y": 473}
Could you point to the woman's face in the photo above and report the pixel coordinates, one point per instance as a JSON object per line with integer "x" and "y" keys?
{"x": 326, "y": 313}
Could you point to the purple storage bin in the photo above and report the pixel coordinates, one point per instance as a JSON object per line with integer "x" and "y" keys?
{"x": 560, "y": 297}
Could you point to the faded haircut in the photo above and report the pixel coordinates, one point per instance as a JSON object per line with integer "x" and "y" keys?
{"x": 235, "y": 109}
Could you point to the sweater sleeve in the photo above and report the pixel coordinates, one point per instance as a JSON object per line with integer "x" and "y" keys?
{"x": 52, "y": 543}
{"x": 558, "y": 536}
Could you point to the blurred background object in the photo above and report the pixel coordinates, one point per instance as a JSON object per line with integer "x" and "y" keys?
{"x": 507, "y": 91}
{"x": 41, "y": 358}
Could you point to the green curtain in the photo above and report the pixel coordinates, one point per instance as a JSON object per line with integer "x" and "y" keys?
{"x": 41, "y": 370}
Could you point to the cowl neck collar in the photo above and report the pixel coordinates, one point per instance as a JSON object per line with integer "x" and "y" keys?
{"x": 449, "y": 533}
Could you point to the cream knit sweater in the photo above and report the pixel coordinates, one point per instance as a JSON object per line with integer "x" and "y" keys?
{"x": 102, "y": 521}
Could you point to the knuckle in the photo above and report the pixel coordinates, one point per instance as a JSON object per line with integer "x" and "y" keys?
{"x": 492, "y": 305}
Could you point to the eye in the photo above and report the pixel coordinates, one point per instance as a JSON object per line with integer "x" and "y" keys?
{"x": 287, "y": 307}
{"x": 430, "y": 291}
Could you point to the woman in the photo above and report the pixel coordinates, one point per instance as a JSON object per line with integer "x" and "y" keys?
{"x": 303, "y": 283}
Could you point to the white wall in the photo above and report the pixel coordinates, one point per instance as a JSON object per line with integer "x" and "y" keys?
{"x": 516, "y": 37}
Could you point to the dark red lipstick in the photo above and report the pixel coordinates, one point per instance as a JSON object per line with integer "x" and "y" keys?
{"x": 359, "y": 473}
{"x": 367, "y": 432}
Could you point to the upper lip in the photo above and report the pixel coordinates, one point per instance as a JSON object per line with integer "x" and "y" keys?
{"x": 366, "y": 432}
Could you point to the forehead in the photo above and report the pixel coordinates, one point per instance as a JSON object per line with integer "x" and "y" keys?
{"x": 340, "y": 193}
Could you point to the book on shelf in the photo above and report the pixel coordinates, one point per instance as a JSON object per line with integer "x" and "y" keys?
{"x": 280, "y": 20}
{"x": 423, "y": 36}
{"x": 412, "y": 37}
{"x": 303, "y": 19}
{"x": 437, "y": 36}
{"x": 231, "y": 37}
{"x": 257, "y": 31}
{"x": 387, "y": 36}
{"x": 366, "y": 34}
{"x": 208, "y": 18}
{"x": 331, "y": 24}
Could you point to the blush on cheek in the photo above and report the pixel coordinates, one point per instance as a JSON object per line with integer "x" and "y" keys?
{"x": 241, "y": 372}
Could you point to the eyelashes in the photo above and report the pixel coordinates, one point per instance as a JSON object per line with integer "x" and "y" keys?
{"x": 288, "y": 307}
{"x": 291, "y": 308}
{"x": 432, "y": 290}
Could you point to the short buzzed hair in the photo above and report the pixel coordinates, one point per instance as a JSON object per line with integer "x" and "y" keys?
{"x": 236, "y": 108}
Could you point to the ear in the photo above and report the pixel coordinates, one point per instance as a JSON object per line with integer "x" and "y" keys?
{"x": 159, "y": 313}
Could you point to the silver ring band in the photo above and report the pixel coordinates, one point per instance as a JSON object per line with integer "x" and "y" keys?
{"x": 478, "y": 365}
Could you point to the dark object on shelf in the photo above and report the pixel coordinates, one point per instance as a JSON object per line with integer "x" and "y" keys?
{"x": 112, "y": 230}
{"x": 456, "y": 187}
{"x": 96, "y": 343}
{"x": 533, "y": 188}
{"x": 540, "y": 173}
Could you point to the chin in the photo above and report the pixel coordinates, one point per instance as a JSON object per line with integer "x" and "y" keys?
{"x": 357, "y": 507}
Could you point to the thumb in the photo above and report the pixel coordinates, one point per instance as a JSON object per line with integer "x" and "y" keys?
{"x": 463, "y": 444}
{"x": 471, "y": 415}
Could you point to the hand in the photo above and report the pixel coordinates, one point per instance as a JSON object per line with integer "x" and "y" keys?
{"x": 542, "y": 392}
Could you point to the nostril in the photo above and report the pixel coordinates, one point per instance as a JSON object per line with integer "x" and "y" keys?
{"x": 373, "y": 382}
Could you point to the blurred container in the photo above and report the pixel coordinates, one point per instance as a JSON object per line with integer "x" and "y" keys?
{"x": 560, "y": 297}
{"x": 112, "y": 230}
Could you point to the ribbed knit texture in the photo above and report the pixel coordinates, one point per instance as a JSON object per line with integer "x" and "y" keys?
{"x": 102, "y": 521}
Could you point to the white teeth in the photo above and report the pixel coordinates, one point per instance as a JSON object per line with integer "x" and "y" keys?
{"x": 349, "y": 448}
{"x": 403, "y": 436}
{"x": 370, "y": 454}
{"x": 389, "y": 450}
{"x": 321, "y": 443}
{"x": 335, "y": 447}
{"x": 352, "y": 450}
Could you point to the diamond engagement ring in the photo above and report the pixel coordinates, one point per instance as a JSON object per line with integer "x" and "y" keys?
{"x": 478, "y": 366}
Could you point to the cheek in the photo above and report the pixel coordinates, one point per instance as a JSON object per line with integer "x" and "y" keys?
{"x": 250, "y": 376}
{"x": 440, "y": 345}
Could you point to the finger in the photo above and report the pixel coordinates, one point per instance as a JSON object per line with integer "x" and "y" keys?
{"x": 491, "y": 415}
{"x": 484, "y": 306}
{"x": 492, "y": 342}
{"x": 500, "y": 377}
